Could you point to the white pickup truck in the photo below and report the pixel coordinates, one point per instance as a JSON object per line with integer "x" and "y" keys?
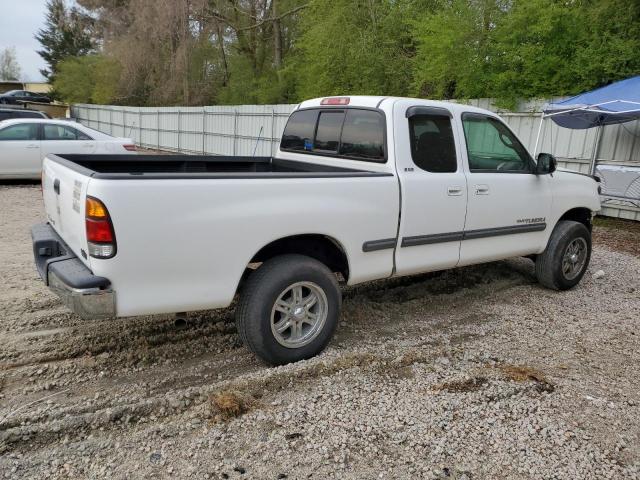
{"x": 361, "y": 188}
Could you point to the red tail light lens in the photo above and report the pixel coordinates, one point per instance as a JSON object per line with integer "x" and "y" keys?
{"x": 101, "y": 238}
{"x": 99, "y": 231}
{"x": 130, "y": 148}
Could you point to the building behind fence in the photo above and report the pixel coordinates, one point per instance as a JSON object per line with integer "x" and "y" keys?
{"x": 250, "y": 130}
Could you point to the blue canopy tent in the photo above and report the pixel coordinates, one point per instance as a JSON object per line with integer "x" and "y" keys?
{"x": 614, "y": 104}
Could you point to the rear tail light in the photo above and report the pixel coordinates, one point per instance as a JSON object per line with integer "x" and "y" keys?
{"x": 335, "y": 101}
{"x": 101, "y": 238}
{"x": 129, "y": 147}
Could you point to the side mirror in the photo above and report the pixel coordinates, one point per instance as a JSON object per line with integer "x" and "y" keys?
{"x": 547, "y": 164}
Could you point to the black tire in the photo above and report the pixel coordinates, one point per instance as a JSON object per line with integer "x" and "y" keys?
{"x": 257, "y": 300}
{"x": 549, "y": 264}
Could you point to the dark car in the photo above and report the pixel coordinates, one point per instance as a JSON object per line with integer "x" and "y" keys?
{"x": 7, "y": 113}
{"x": 17, "y": 96}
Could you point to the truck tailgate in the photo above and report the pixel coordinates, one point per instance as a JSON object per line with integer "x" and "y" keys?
{"x": 64, "y": 191}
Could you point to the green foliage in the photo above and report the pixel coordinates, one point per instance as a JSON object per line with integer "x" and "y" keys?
{"x": 348, "y": 47}
{"x": 66, "y": 34}
{"x": 187, "y": 52}
{"x": 243, "y": 84}
{"x": 88, "y": 79}
{"x": 453, "y": 48}
{"x": 611, "y": 47}
{"x": 246, "y": 87}
{"x": 525, "y": 48}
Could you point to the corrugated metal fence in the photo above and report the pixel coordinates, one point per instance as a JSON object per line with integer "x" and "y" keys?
{"x": 239, "y": 130}
{"x": 256, "y": 129}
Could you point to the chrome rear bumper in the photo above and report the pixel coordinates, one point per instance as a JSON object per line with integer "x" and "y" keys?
{"x": 86, "y": 294}
{"x": 90, "y": 303}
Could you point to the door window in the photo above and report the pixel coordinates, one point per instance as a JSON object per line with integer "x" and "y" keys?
{"x": 21, "y": 131}
{"x": 492, "y": 147}
{"x": 63, "y": 132}
{"x": 432, "y": 145}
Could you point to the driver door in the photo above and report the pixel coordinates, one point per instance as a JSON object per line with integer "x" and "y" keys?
{"x": 20, "y": 151}
{"x": 508, "y": 204}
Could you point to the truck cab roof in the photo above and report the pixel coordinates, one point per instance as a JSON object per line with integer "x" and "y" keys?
{"x": 382, "y": 101}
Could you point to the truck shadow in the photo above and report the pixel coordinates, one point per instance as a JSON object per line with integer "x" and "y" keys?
{"x": 150, "y": 359}
{"x": 18, "y": 182}
{"x": 144, "y": 341}
{"x": 446, "y": 282}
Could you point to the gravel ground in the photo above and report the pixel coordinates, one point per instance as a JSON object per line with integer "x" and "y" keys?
{"x": 475, "y": 373}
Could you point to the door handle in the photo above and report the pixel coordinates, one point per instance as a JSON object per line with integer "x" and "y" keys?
{"x": 454, "y": 191}
{"x": 482, "y": 189}
{"x": 33, "y": 146}
{"x": 56, "y": 186}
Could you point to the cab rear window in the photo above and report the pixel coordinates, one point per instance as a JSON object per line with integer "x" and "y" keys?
{"x": 351, "y": 133}
{"x": 328, "y": 131}
{"x": 363, "y": 135}
{"x": 300, "y": 130}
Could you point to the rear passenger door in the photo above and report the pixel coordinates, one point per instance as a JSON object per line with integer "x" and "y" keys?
{"x": 433, "y": 186}
{"x": 60, "y": 139}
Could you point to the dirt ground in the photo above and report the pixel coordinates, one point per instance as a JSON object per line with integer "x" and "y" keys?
{"x": 474, "y": 373}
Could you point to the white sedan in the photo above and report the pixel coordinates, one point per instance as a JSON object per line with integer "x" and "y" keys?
{"x": 25, "y": 142}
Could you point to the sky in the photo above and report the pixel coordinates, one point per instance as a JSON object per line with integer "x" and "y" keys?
{"x": 19, "y": 21}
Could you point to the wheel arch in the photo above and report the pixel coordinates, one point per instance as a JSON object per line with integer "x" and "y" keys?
{"x": 323, "y": 248}
{"x": 578, "y": 214}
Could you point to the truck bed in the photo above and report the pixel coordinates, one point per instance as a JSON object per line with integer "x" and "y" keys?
{"x": 120, "y": 167}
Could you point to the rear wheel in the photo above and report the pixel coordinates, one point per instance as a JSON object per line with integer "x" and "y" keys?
{"x": 289, "y": 309}
{"x": 565, "y": 260}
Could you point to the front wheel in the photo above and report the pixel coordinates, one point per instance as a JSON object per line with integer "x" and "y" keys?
{"x": 289, "y": 309}
{"x": 565, "y": 260}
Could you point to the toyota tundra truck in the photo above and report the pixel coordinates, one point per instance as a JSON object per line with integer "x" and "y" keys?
{"x": 360, "y": 189}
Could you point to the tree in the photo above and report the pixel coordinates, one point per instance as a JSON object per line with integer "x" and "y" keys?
{"x": 610, "y": 50}
{"x": 195, "y": 52}
{"x": 348, "y": 47}
{"x": 524, "y": 48}
{"x": 67, "y": 33}
{"x": 88, "y": 79}
{"x": 9, "y": 68}
{"x": 254, "y": 40}
{"x": 454, "y": 42}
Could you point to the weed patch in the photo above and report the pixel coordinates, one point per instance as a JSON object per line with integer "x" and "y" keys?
{"x": 229, "y": 404}
{"x": 520, "y": 373}
{"x": 462, "y": 386}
